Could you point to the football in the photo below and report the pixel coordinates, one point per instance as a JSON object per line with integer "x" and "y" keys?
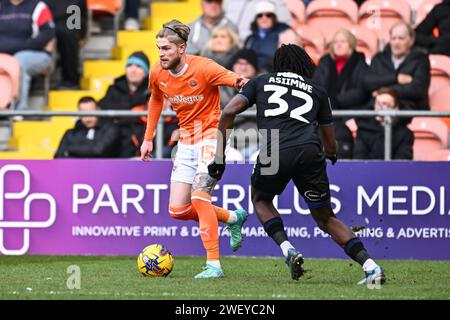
{"x": 155, "y": 261}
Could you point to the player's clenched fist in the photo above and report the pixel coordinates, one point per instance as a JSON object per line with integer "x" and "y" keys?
{"x": 217, "y": 168}
{"x": 146, "y": 150}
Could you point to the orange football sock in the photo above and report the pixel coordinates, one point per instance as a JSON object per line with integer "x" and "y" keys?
{"x": 208, "y": 223}
{"x": 188, "y": 212}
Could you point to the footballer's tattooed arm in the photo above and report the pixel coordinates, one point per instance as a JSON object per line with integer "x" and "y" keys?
{"x": 204, "y": 182}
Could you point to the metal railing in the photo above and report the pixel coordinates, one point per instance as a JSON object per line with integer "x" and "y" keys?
{"x": 388, "y": 115}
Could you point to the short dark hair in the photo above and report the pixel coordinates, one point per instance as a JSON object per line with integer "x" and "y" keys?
{"x": 87, "y": 99}
{"x": 392, "y": 92}
{"x": 293, "y": 58}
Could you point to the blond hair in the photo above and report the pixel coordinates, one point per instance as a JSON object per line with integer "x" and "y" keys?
{"x": 174, "y": 31}
{"x": 235, "y": 40}
{"x": 351, "y": 39}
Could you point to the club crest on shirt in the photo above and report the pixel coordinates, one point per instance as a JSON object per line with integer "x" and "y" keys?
{"x": 193, "y": 83}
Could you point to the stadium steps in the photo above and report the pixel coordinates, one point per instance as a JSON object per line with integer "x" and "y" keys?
{"x": 36, "y": 139}
{"x": 68, "y": 100}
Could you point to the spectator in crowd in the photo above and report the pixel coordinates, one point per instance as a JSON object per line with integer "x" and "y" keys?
{"x": 370, "y": 134}
{"x": 91, "y": 137}
{"x": 403, "y": 68}
{"x": 70, "y": 34}
{"x": 289, "y": 36}
{"x": 26, "y": 31}
{"x": 201, "y": 29}
{"x": 127, "y": 92}
{"x": 240, "y": 12}
{"x": 131, "y": 15}
{"x": 340, "y": 73}
{"x": 224, "y": 43}
{"x": 438, "y": 18}
{"x": 265, "y": 34}
{"x": 245, "y": 63}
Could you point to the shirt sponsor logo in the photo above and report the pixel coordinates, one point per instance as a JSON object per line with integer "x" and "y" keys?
{"x": 189, "y": 99}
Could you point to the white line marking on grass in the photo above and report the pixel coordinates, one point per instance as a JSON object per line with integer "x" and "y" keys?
{"x": 144, "y": 294}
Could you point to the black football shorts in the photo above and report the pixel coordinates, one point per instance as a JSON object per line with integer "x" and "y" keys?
{"x": 305, "y": 165}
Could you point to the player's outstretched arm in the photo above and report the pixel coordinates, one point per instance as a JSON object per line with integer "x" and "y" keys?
{"x": 241, "y": 81}
{"x": 155, "y": 106}
{"x": 329, "y": 142}
{"x": 235, "y": 106}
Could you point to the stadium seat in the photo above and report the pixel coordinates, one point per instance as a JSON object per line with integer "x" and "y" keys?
{"x": 297, "y": 10}
{"x": 440, "y": 101}
{"x": 440, "y": 155}
{"x": 331, "y": 15}
{"x": 367, "y": 41}
{"x": 312, "y": 40}
{"x": 110, "y": 7}
{"x": 424, "y": 8}
{"x": 9, "y": 80}
{"x": 381, "y": 15}
{"x": 430, "y": 134}
{"x": 440, "y": 72}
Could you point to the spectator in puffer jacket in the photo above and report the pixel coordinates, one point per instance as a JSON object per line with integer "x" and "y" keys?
{"x": 370, "y": 137}
{"x": 403, "y": 68}
{"x": 240, "y": 12}
{"x": 438, "y": 18}
{"x": 126, "y": 93}
{"x": 340, "y": 73}
{"x": 265, "y": 34}
{"x": 91, "y": 138}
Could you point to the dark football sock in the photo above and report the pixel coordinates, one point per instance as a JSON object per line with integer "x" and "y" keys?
{"x": 354, "y": 248}
{"x": 275, "y": 229}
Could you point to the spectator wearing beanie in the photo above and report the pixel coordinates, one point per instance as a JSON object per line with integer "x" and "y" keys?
{"x": 265, "y": 34}
{"x": 245, "y": 63}
{"x": 127, "y": 92}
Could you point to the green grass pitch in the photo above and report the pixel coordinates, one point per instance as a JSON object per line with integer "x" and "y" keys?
{"x": 45, "y": 277}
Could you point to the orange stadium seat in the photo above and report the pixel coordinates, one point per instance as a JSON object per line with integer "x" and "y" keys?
{"x": 440, "y": 155}
{"x": 297, "y": 10}
{"x": 430, "y": 134}
{"x": 9, "y": 80}
{"x": 424, "y": 8}
{"x": 367, "y": 41}
{"x": 330, "y": 15}
{"x": 440, "y": 72}
{"x": 109, "y": 6}
{"x": 381, "y": 15}
{"x": 312, "y": 40}
{"x": 440, "y": 101}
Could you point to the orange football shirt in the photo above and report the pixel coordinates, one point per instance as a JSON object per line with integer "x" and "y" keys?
{"x": 193, "y": 94}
